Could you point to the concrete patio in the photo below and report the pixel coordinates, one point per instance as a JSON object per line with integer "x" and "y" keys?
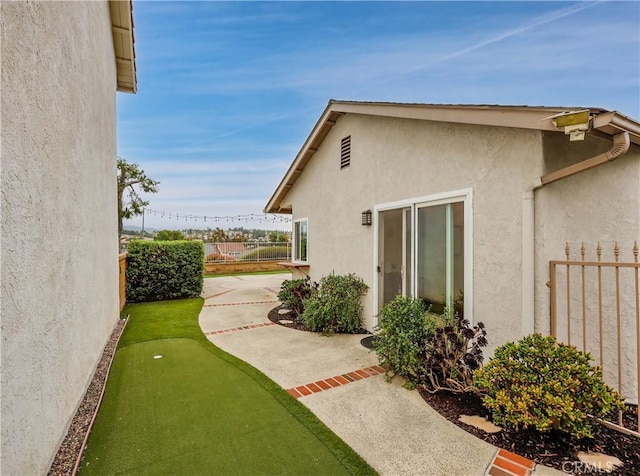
{"x": 392, "y": 428}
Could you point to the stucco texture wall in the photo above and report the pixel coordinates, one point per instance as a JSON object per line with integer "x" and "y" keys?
{"x": 598, "y": 205}
{"x": 59, "y": 222}
{"x": 397, "y": 159}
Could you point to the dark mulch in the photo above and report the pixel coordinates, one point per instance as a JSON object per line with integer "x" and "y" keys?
{"x": 71, "y": 447}
{"x": 551, "y": 449}
{"x": 283, "y": 319}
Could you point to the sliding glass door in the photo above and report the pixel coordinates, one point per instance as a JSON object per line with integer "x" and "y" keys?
{"x": 394, "y": 254}
{"x": 440, "y": 255}
{"x": 421, "y": 252}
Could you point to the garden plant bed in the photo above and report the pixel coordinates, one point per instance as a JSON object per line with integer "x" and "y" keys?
{"x": 552, "y": 449}
{"x": 288, "y": 319}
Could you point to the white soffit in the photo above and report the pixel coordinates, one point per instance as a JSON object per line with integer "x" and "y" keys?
{"x": 123, "y": 44}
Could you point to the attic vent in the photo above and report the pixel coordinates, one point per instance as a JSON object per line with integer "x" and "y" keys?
{"x": 345, "y": 152}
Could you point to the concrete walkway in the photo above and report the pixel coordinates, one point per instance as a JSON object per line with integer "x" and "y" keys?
{"x": 392, "y": 428}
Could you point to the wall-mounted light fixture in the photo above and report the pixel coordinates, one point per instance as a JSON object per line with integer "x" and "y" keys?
{"x": 366, "y": 218}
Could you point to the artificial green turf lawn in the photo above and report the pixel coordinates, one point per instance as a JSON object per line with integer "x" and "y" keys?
{"x": 201, "y": 411}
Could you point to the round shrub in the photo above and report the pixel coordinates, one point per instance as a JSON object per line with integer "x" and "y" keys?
{"x": 404, "y": 329}
{"x": 542, "y": 384}
{"x": 335, "y": 305}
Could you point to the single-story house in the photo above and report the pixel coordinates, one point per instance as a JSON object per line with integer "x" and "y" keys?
{"x": 62, "y": 63}
{"x": 462, "y": 205}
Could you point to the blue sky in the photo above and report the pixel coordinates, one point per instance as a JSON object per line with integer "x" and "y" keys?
{"x": 228, "y": 91}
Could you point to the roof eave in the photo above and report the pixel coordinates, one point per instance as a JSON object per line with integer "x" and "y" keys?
{"x": 521, "y": 117}
{"x": 319, "y": 132}
{"x": 124, "y": 45}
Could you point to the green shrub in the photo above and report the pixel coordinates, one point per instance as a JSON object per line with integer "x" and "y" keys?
{"x": 454, "y": 354}
{"x": 335, "y": 305}
{"x": 268, "y": 253}
{"x": 542, "y": 384}
{"x": 404, "y": 328}
{"x": 294, "y": 292}
{"x": 159, "y": 270}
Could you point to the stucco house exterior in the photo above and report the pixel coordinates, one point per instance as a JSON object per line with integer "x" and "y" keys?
{"x": 62, "y": 63}
{"x": 466, "y": 204}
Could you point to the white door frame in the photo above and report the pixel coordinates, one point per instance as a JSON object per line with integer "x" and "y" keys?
{"x": 465, "y": 196}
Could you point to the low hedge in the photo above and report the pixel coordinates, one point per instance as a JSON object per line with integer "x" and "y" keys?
{"x": 161, "y": 270}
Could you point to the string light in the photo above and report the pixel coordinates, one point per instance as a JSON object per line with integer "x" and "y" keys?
{"x": 247, "y": 218}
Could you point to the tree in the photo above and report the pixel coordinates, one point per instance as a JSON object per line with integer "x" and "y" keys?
{"x": 169, "y": 235}
{"x": 237, "y": 236}
{"x": 130, "y": 178}
{"x": 277, "y": 237}
{"x": 219, "y": 236}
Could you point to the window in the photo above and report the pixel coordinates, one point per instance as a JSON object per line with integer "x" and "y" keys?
{"x": 300, "y": 239}
{"x": 345, "y": 152}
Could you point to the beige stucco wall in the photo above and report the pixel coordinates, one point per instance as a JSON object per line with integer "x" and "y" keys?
{"x": 396, "y": 159}
{"x": 59, "y": 228}
{"x": 598, "y": 205}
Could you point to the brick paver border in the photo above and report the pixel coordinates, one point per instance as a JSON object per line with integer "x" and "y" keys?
{"x": 336, "y": 381}
{"x": 506, "y": 463}
{"x": 241, "y": 328}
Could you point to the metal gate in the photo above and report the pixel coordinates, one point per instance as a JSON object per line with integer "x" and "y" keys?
{"x": 595, "y": 306}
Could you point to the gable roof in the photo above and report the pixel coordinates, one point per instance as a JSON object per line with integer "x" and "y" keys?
{"x": 522, "y": 117}
{"x": 123, "y": 44}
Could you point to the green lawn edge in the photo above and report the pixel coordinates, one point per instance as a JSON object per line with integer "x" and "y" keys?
{"x": 349, "y": 458}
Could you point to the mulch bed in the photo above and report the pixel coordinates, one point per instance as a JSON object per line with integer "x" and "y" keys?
{"x": 286, "y": 319}
{"x": 71, "y": 447}
{"x": 551, "y": 449}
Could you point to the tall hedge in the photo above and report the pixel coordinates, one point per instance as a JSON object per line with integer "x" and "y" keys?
{"x": 161, "y": 270}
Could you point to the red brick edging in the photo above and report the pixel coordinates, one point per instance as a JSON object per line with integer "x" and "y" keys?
{"x": 329, "y": 383}
{"x": 506, "y": 463}
{"x": 241, "y": 328}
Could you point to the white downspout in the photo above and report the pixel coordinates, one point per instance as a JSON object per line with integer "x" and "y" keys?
{"x": 620, "y": 146}
{"x": 528, "y": 257}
